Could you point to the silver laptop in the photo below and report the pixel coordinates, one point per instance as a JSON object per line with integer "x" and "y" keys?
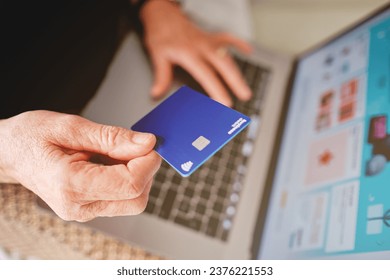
{"x": 293, "y": 185}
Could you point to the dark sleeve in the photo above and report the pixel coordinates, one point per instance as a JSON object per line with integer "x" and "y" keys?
{"x": 56, "y": 53}
{"x": 135, "y": 21}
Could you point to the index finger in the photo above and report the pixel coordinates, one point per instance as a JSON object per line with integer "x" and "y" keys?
{"x": 206, "y": 77}
{"x": 229, "y": 71}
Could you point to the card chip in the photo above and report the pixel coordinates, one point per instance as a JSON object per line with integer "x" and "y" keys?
{"x": 201, "y": 143}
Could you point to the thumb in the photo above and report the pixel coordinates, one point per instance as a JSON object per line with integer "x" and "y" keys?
{"x": 162, "y": 76}
{"x": 115, "y": 142}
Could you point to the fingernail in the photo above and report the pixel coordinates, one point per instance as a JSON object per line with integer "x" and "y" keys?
{"x": 246, "y": 94}
{"x": 227, "y": 103}
{"x": 155, "y": 96}
{"x": 142, "y": 138}
{"x": 154, "y": 91}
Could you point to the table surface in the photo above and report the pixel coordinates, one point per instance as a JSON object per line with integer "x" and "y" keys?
{"x": 30, "y": 232}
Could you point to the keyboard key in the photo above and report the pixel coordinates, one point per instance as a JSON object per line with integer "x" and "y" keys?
{"x": 224, "y": 236}
{"x": 205, "y": 194}
{"x": 200, "y": 208}
{"x": 184, "y": 206}
{"x": 222, "y": 192}
{"x": 230, "y": 211}
{"x": 251, "y": 73}
{"x": 247, "y": 148}
{"x": 194, "y": 224}
{"x": 166, "y": 207}
{"x": 154, "y": 192}
{"x": 189, "y": 192}
{"x": 150, "y": 207}
{"x": 241, "y": 64}
{"x": 234, "y": 197}
{"x": 230, "y": 165}
{"x": 214, "y": 166}
{"x": 209, "y": 180}
{"x": 237, "y": 186}
{"x": 241, "y": 169}
{"x": 176, "y": 180}
{"x": 227, "y": 179}
{"x": 218, "y": 207}
{"x": 227, "y": 224}
{"x": 212, "y": 226}
{"x": 160, "y": 177}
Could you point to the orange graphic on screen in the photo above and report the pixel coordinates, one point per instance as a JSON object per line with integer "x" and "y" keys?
{"x": 348, "y": 100}
{"x": 327, "y": 159}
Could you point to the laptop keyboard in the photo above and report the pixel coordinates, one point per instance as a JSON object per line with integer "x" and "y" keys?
{"x": 206, "y": 201}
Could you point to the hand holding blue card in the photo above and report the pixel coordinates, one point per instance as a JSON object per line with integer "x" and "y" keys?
{"x": 191, "y": 127}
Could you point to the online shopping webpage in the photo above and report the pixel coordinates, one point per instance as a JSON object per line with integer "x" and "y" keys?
{"x": 331, "y": 193}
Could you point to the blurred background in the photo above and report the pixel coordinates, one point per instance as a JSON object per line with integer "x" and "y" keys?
{"x": 288, "y": 26}
{"x": 292, "y": 26}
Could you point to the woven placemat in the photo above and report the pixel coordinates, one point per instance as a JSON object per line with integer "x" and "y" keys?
{"x": 31, "y": 233}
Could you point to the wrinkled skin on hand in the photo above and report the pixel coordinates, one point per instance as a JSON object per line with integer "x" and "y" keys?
{"x": 54, "y": 155}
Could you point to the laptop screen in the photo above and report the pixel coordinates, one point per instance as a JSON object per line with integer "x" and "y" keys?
{"x": 330, "y": 196}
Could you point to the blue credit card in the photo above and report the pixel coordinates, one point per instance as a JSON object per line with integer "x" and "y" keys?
{"x": 191, "y": 127}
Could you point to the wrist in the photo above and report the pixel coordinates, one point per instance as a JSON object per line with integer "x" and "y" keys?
{"x": 142, "y": 3}
{"x": 5, "y": 176}
{"x": 145, "y": 5}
